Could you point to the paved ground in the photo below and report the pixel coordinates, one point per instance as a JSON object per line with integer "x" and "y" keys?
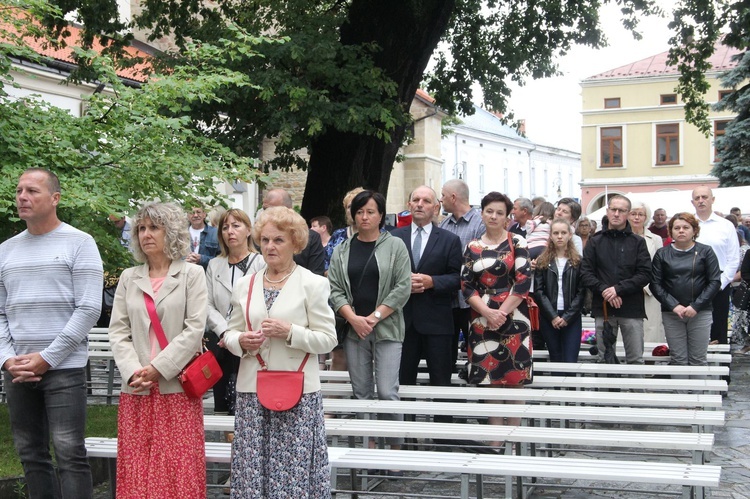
{"x": 732, "y": 453}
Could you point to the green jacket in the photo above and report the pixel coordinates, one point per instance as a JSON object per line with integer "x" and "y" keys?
{"x": 394, "y": 287}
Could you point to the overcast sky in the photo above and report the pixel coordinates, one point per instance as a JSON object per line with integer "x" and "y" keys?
{"x": 552, "y": 106}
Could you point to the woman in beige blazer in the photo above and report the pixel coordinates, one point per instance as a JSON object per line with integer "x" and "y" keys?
{"x": 160, "y": 430}
{"x": 280, "y": 454}
{"x": 238, "y": 258}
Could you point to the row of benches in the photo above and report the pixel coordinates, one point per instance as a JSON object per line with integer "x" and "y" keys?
{"x": 692, "y": 478}
{"x": 648, "y": 408}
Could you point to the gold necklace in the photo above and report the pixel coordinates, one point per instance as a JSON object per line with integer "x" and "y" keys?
{"x": 279, "y": 281}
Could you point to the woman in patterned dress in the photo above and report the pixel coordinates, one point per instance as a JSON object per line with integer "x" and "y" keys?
{"x": 495, "y": 281}
{"x": 160, "y": 447}
{"x": 280, "y": 454}
{"x": 740, "y": 335}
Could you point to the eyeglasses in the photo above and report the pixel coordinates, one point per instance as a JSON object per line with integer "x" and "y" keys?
{"x": 617, "y": 210}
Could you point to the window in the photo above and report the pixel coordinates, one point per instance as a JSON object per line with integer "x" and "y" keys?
{"x": 668, "y": 144}
{"x": 724, "y": 93}
{"x": 667, "y": 99}
{"x": 505, "y": 180}
{"x": 719, "y": 128}
{"x": 611, "y": 103}
{"x": 481, "y": 180}
{"x": 611, "y": 146}
{"x": 520, "y": 184}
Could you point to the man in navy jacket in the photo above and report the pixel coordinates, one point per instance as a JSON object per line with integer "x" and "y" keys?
{"x": 436, "y": 265}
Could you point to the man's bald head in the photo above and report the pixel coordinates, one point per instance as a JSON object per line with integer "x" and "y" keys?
{"x": 277, "y": 197}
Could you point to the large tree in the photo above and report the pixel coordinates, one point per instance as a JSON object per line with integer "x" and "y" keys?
{"x": 342, "y": 83}
{"x": 131, "y": 144}
{"x": 344, "y": 79}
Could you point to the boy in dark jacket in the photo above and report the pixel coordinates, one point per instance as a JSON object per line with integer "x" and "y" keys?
{"x": 616, "y": 266}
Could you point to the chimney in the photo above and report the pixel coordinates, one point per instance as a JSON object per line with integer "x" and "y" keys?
{"x": 522, "y": 127}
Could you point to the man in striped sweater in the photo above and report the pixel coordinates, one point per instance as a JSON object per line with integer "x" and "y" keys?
{"x": 50, "y": 297}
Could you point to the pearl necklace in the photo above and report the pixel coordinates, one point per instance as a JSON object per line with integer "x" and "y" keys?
{"x": 279, "y": 281}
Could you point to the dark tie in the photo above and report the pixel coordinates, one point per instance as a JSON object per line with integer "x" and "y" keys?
{"x": 417, "y": 247}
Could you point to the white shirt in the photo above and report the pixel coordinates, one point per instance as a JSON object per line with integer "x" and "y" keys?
{"x": 195, "y": 239}
{"x": 721, "y": 235}
{"x": 425, "y": 236}
{"x": 560, "y": 262}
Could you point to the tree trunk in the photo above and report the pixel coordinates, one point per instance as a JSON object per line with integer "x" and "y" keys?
{"x": 408, "y": 32}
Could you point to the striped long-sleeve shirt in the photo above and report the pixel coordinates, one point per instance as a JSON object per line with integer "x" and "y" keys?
{"x": 50, "y": 295}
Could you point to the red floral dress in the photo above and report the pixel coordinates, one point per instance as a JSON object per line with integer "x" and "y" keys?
{"x": 501, "y": 356}
{"x": 160, "y": 442}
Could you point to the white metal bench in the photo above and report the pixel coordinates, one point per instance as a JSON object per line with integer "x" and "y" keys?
{"x": 586, "y": 368}
{"x": 696, "y": 418}
{"x": 544, "y": 396}
{"x": 690, "y": 477}
{"x": 696, "y": 443}
{"x": 585, "y": 382}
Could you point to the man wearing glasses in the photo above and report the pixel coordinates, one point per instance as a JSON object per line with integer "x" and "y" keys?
{"x": 616, "y": 266}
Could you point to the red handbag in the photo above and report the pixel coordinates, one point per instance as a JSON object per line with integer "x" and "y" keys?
{"x": 201, "y": 373}
{"x": 533, "y": 307}
{"x": 277, "y": 390}
{"x": 280, "y": 390}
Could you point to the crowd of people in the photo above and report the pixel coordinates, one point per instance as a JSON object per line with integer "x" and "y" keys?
{"x": 499, "y": 280}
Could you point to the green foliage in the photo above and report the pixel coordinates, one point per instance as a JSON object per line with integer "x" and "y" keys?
{"x": 344, "y": 73}
{"x": 305, "y": 87}
{"x": 495, "y": 42}
{"x": 733, "y": 169}
{"x": 131, "y": 145}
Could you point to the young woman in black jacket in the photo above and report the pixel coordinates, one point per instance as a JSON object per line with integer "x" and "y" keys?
{"x": 686, "y": 276}
{"x": 559, "y": 293}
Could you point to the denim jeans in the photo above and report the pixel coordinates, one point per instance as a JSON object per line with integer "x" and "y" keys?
{"x": 564, "y": 344}
{"x": 53, "y": 407}
{"x": 385, "y": 357}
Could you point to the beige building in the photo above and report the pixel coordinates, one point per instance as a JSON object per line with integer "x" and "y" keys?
{"x": 634, "y": 134}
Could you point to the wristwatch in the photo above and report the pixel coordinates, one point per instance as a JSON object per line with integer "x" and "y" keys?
{"x": 377, "y": 314}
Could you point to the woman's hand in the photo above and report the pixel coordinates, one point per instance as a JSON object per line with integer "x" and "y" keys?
{"x": 275, "y": 328}
{"x": 689, "y": 312}
{"x": 495, "y": 318}
{"x": 558, "y": 323}
{"x": 361, "y": 326}
{"x": 143, "y": 378}
{"x": 251, "y": 340}
{"x": 680, "y": 311}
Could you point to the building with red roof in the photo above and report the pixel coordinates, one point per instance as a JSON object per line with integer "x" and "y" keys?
{"x": 634, "y": 135}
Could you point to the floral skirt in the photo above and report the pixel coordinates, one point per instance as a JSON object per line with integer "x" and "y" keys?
{"x": 280, "y": 454}
{"x": 500, "y": 356}
{"x": 160, "y": 447}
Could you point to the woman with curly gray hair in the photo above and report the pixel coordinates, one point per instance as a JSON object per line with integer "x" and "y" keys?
{"x": 160, "y": 429}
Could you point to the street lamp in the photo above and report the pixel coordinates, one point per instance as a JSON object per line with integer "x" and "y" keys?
{"x": 558, "y": 183}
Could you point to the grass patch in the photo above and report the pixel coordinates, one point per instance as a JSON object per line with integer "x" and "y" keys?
{"x": 100, "y": 422}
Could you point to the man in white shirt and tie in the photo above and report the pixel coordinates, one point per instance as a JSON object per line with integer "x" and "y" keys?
{"x": 721, "y": 235}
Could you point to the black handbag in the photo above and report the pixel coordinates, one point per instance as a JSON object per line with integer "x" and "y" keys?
{"x": 741, "y": 296}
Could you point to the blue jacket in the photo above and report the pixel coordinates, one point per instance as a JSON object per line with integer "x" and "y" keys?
{"x": 209, "y": 246}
